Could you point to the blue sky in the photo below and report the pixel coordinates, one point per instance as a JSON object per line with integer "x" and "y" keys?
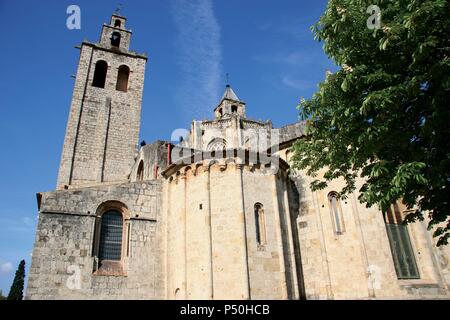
{"x": 266, "y": 47}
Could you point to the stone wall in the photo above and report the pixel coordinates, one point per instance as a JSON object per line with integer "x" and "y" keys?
{"x": 358, "y": 263}
{"x": 190, "y": 229}
{"x": 211, "y": 234}
{"x": 65, "y": 237}
{"x": 272, "y": 266}
{"x": 154, "y": 160}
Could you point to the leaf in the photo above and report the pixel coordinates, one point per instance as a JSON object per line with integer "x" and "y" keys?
{"x": 344, "y": 85}
{"x": 392, "y": 108}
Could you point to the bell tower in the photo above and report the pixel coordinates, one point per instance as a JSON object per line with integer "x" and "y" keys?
{"x": 104, "y": 120}
{"x": 229, "y": 105}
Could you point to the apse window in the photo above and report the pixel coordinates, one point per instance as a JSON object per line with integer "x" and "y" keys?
{"x": 122, "y": 78}
{"x": 260, "y": 225}
{"x": 336, "y": 212}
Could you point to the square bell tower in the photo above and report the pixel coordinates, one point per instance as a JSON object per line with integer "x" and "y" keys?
{"x": 104, "y": 120}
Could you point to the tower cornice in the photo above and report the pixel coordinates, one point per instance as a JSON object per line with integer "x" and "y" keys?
{"x": 100, "y": 47}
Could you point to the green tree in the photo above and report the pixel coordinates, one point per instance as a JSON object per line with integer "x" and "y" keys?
{"x": 16, "y": 291}
{"x": 385, "y": 114}
{"x": 2, "y": 297}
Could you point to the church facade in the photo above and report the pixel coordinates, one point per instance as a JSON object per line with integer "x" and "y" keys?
{"x": 219, "y": 215}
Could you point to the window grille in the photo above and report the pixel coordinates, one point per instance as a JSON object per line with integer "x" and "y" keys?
{"x": 111, "y": 236}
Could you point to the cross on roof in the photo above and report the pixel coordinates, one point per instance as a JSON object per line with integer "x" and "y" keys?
{"x": 119, "y": 7}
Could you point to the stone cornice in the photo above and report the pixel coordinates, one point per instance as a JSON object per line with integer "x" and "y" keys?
{"x": 223, "y": 157}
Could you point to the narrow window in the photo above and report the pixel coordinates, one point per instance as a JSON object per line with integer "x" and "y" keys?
{"x": 117, "y": 23}
{"x": 288, "y": 155}
{"x": 260, "y": 224}
{"x": 336, "y": 212}
{"x": 122, "y": 78}
{"x": 101, "y": 68}
{"x": 400, "y": 243}
{"x": 140, "y": 172}
{"x": 220, "y": 112}
{"x": 234, "y": 109}
{"x": 115, "y": 39}
{"x": 110, "y": 246}
{"x": 156, "y": 172}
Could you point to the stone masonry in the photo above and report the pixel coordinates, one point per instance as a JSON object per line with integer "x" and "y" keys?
{"x": 220, "y": 215}
{"x": 103, "y": 127}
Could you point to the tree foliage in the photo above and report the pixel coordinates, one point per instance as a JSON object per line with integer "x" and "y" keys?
{"x": 16, "y": 291}
{"x": 384, "y": 116}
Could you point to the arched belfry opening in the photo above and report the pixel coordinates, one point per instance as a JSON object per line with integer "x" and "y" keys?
{"x": 101, "y": 68}
{"x": 115, "y": 39}
{"x": 122, "y": 78}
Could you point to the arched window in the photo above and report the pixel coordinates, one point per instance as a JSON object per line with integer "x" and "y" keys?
{"x": 122, "y": 78}
{"x": 400, "y": 242}
{"x": 111, "y": 229}
{"x": 115, "y": 39}
{"x": 111, "y": 238}
{"x": 140, "y": 172}
{"x": 260, "y": 225}
{"x": 288, "y": 155}
{"x": 101, "y": 68}
{"x": 117, "y": 23}
{"x": 234, "y": 109}
{"x": 217, "y": 144}
{"x": 220, "y": 112}
{"x": 336, "y": 212}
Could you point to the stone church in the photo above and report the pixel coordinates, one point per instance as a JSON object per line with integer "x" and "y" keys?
{"x": 215, "y": 215}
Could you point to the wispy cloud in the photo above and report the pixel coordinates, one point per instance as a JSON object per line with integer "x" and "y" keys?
{"x": 296, "y": 29}
{"x": 14, "y": 224}
{"x": 27, "y": 221}
{"x": 294, "y": 59}
{"x": 298, "y": 84}
{"x": 6, "y": 267}
{"x": 199, "y": 56}
{"x": 286, "y": 26}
